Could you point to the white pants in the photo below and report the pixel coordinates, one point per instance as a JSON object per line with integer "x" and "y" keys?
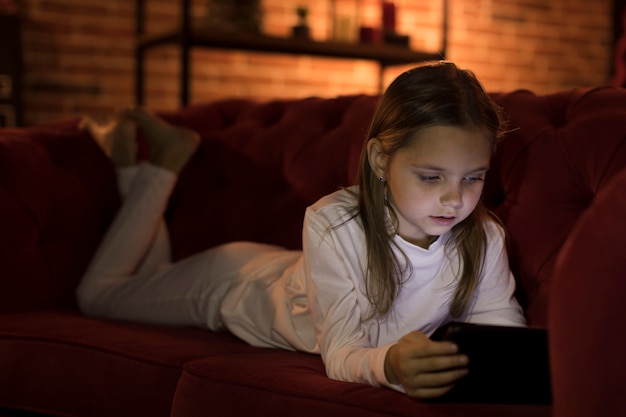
{"x": 131, "y": 276}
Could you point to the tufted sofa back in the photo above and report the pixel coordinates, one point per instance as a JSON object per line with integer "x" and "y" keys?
{"x": 563, "y": 151}
{"x": 261, "y": 164}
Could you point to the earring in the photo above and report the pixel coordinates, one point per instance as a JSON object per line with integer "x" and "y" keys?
{"x": 381, "y": 179}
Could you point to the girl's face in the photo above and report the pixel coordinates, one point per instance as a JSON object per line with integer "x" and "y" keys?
{"x": 436, "y": 181}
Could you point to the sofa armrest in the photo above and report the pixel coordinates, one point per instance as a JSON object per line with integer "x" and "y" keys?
{"x": 586, "y": 316}
{"x": 57, "y": 195}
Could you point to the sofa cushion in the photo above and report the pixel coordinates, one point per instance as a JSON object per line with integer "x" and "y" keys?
{"x": 62, "y": 363}
{"x": 265, "y": 382}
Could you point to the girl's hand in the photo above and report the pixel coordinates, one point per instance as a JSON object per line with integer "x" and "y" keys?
{"x": 426, "y": 369}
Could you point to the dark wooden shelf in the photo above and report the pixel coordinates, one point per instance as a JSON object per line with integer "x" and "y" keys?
{"x": 384, "y": 54}
{"x": 188, "y": 37}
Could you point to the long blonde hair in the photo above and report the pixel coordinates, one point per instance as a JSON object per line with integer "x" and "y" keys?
{"x": 430, "y": 95}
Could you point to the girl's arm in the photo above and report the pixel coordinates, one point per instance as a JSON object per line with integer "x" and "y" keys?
{"x": 333, "y": 264}
{"x": 344, "y": 343}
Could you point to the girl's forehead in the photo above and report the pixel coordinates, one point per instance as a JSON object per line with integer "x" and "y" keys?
{"x": 435, "y": 137}
{"x": 449, "y": 145}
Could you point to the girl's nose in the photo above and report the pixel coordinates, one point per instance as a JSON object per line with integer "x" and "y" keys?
{"x": 452, "y": 197}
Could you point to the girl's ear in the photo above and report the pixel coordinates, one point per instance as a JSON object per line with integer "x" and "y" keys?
{"x": 376, "y": 157}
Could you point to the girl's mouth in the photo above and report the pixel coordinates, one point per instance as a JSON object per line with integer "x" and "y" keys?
{"x": 443, "y": 221}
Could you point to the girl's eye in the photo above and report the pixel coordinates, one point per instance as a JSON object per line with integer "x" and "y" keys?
{"x": 474, "y": 179}
{"x": 429, "y": 178}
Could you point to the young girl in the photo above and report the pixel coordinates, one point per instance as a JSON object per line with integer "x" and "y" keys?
{"x": 384, "y": 263}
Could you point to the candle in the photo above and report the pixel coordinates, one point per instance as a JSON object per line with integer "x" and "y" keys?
{"x": 389, "y": 16}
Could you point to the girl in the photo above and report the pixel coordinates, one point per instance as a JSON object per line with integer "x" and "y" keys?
{"x": 383, "y": 264}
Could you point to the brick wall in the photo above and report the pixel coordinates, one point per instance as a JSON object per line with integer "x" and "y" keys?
{"x": 78, "y": 54}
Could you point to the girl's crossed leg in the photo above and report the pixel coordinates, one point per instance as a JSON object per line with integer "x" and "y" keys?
{"x": 131, "y": 276}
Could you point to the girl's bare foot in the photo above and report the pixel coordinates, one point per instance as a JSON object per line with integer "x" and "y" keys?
{"x": 116, "y": 137}
{"x": 170, "y": 146}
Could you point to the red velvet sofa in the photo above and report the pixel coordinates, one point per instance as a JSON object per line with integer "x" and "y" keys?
{"x": 558, "y": 182}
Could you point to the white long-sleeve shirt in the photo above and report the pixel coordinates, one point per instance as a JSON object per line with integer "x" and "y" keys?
{"x": 316, "y": 301}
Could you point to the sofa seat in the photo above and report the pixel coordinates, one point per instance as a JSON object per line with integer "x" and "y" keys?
{"x": 71, "y": 352}
{"x": 196, "y": 372}
{"x": 294, "y": 384}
